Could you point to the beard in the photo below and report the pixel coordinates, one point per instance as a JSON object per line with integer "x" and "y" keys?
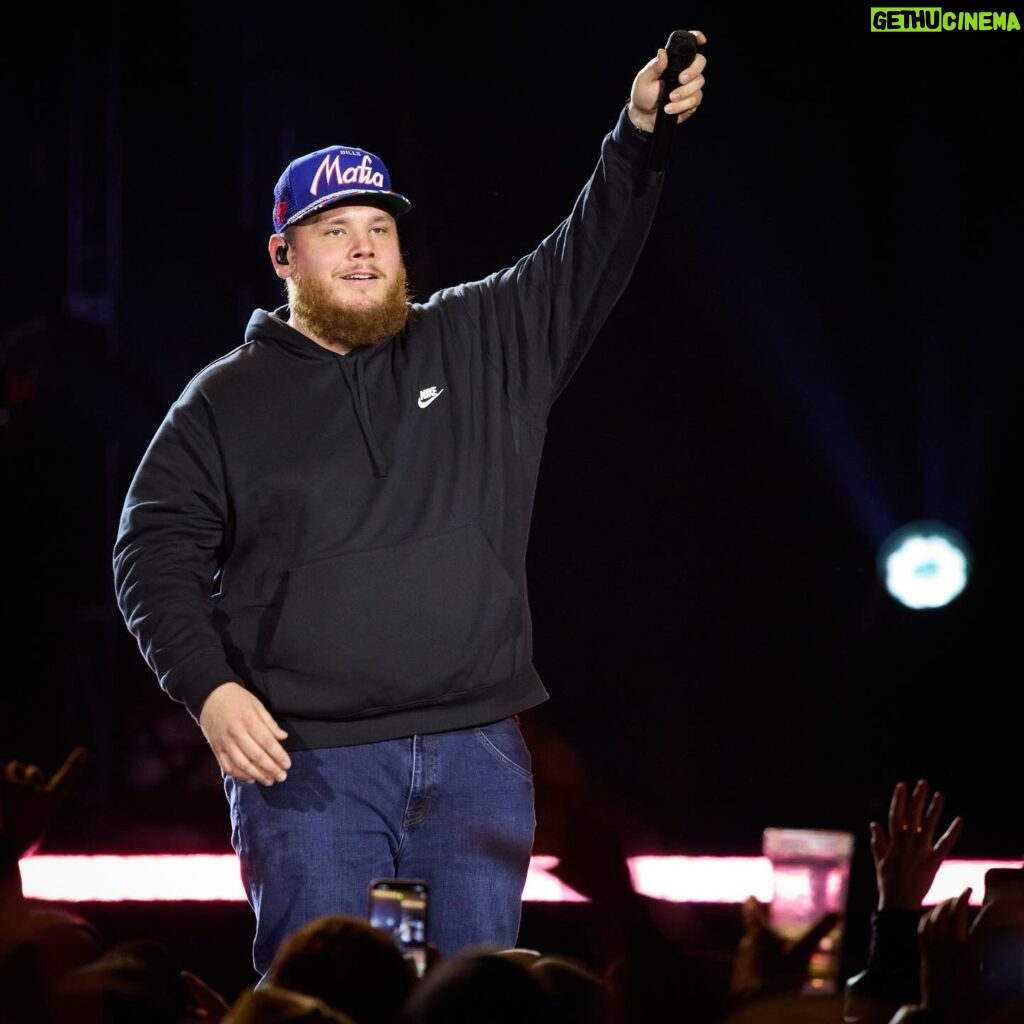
{"x": 314, "y": 305}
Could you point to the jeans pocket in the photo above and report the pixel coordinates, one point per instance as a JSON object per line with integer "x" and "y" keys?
{"x": 504, "y": 742}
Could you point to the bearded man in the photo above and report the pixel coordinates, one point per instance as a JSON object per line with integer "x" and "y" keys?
{"x": 322, "y": 552}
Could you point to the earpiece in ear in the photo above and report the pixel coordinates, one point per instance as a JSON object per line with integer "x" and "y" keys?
{"x": 281, "y": 255}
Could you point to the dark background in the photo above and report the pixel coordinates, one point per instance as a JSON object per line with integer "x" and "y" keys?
{"x": 819, "y": 345}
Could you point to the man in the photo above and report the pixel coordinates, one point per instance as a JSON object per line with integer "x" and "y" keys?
{"x": 322, "y": 553}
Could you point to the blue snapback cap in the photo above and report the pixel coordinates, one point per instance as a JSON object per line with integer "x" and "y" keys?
{"x": 327, "y": 176}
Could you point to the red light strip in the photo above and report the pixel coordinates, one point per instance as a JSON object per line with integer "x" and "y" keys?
{"x": 103, "y": 878}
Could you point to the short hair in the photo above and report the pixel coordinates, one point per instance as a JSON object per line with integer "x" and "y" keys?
{"x": 480, "y": 986}
{"x": 349, "y": 964}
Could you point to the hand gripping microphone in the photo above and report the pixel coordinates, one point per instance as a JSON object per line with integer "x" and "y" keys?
{"x": 681, "y": 48}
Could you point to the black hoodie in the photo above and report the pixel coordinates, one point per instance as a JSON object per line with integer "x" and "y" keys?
{"x": 346, "y": 535}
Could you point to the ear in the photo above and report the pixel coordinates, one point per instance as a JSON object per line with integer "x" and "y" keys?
{"x": 277, "y": 248}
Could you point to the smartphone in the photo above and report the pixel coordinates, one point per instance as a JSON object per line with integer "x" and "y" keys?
{"x": 399, "y": 907}
{"x": 1004, "y": 885}
{"x": 999, "y": 937}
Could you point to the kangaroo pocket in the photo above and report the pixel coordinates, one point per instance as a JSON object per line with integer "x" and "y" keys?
{"x": 392, "y": 627}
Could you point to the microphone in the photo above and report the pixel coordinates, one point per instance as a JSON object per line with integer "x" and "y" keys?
{"x": 681, "y": 48}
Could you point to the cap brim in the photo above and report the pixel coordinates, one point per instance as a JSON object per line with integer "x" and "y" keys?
{"x": 393, "y": 202}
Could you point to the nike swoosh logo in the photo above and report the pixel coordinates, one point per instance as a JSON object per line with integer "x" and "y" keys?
{"x": 424, "y": 402}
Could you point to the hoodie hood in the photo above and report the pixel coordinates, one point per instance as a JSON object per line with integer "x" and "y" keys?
{"x": 274, "y": 328}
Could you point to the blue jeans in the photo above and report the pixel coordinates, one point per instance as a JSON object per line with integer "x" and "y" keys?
{"x": 453, "y": 808}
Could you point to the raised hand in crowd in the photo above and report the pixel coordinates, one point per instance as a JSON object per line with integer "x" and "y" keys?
{"x": 29, "y": 800}
{"x": 907, "y": 855}
{"x": 971, "y": 962}
{"x": 767, "y": 963}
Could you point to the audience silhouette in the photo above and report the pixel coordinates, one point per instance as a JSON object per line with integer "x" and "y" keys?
{"x": 907, "y": 856}
{"x": 479, "y": 987}
{"x": 347, "y": 963}
{"x": 270, "y": 1004}
{"x": 942, "y": 965}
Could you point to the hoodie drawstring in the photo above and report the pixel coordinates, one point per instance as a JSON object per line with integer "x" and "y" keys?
{"x": 362, "y": 404}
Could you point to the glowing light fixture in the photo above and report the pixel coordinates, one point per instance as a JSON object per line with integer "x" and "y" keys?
{"x": 925, "y": 564}
{"x": 186, "y": 877}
